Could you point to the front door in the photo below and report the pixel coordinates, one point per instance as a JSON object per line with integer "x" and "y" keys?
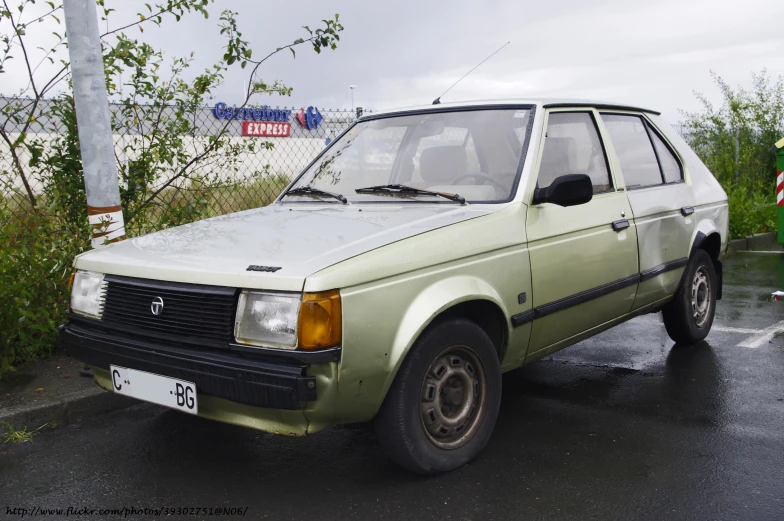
{"x": 584, "y": 261}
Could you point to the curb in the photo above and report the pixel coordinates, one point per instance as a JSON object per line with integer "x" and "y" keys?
{"x": 739, "y": 245}
{"x": 75, "y": 407}
{"x": 759, "y": 240}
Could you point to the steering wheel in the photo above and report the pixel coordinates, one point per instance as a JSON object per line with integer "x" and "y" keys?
{"x": 479, "y": 175}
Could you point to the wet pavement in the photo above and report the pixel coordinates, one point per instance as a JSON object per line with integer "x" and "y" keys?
{"x": 621, "y": 426}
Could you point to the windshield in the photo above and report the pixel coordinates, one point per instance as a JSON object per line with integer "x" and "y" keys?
{"x": 473, "y": 153}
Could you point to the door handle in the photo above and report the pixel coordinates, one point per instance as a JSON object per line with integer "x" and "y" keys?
{"x": 687, "y": 210}
{"x": 620, "y": 225}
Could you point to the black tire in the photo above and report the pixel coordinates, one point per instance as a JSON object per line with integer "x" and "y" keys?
{"x": 438, "y": 367}
{"x": 683, "y": 317}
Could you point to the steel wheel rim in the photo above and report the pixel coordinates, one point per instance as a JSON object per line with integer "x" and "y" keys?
{"x": 452, "y": 399}
{"x": 700, "y": 296}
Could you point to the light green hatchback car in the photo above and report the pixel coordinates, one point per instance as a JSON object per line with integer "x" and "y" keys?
{"x": 418, "y": 257}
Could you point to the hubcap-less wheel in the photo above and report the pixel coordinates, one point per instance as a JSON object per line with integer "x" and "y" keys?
{"x": 700, "y": 296}
{"x": 689, "y": 315}
{"x": 453, "y": 397}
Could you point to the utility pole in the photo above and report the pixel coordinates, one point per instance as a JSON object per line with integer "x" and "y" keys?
{"x": 92, "y": 117}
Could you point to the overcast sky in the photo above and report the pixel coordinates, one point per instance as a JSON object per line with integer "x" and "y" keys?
{"x": 654, "y": 53}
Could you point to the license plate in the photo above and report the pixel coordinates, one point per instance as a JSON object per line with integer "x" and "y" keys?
{"x": 177, "y": 394}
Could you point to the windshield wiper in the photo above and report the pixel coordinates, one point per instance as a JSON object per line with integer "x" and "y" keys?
{"x": 408, "y": 190}
{"x": 309, "y": 190}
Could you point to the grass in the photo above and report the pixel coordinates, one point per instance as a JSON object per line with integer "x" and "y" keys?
{"x": 13, "y": 435}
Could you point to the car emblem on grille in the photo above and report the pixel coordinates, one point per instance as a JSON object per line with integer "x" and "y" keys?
{"x": 157, "y": 306}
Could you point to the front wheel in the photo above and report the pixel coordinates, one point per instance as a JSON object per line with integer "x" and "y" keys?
{"x": 689, "y": 316}
{"x": 440, "y": 411}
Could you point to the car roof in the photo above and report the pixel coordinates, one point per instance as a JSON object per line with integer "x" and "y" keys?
{"x": 540, "y": 102}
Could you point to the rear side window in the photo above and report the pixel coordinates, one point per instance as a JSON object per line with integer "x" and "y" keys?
{"x": 572, "y": 146}
{"x": 634, "y": 149}
{"x": 670, "y": 166}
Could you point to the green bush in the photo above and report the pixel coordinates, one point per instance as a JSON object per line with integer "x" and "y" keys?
{"x": 734, "y": 141}
{"x": 752, "y": 208}
{"x": 36, "y": 252}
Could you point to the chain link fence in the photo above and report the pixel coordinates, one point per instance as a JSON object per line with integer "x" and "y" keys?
{"x": 176, "y": 163}
{"x": 210, "y": 168}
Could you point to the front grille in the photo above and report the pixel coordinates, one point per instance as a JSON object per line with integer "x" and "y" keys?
{"x": 191, "y": 313}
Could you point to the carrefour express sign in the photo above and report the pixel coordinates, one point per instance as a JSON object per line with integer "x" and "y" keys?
{"x": 264, "y": 121}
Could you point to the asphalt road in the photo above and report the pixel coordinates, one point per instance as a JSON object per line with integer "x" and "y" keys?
{"x": 622, "y": 426}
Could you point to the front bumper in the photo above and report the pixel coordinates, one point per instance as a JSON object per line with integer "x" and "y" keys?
{"x": 228, "y": 376}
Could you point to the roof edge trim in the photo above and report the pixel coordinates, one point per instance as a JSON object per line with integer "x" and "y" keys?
{"x": 599, "y": 106}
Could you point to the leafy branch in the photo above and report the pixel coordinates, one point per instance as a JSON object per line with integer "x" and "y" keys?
{"x": 239, "y": 51}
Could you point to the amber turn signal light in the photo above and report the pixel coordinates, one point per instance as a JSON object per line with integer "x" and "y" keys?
{"x": 320, "y": 320}
{"x": 70, "y": 287}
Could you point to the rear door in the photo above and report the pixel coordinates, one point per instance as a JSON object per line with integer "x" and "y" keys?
{"x": 661, "y": 201}
{"x": 583, "y": 258}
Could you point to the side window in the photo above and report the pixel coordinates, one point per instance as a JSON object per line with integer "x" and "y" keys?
{"x": 670, "y": 166}
{"x": 572, "y": 146}
{"x": 635, "y": 152}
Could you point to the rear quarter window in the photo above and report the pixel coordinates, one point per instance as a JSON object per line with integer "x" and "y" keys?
{"x": 671, "y": 167}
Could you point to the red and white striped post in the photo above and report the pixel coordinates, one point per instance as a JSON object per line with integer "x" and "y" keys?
{"x": 780, "y": 187}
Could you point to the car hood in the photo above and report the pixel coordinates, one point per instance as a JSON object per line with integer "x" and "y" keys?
{"x": 300, "y": 239}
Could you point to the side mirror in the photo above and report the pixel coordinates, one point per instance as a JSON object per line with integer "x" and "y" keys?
{"x": 567, "y": 190}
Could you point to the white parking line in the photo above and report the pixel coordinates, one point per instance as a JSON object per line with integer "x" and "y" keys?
{"x": 727, "y": 329}
{"x": 763, "y": 337}
{"x": 760, "y": 336}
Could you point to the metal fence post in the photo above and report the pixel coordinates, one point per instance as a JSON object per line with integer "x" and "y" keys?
{"x": 92, "y": 116}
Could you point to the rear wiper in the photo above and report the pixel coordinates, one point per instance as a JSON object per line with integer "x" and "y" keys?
{"x": 309, "y": 190}
{"x": 407, "y": 190}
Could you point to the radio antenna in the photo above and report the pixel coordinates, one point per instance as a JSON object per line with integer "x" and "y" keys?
{"x": 438, "y": 99}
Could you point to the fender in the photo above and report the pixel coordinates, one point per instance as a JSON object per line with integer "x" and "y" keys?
{"x": 702, "y": 231}
{"x": 427, "y": 306}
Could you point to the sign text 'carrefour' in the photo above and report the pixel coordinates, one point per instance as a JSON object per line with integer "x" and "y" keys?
{"x": 264, "y": 113}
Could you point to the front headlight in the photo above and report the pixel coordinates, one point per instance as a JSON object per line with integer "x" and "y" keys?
{"x": 87, "y": 293}
{"x": 267, "y": 319}
{"x": 286, "y": 320}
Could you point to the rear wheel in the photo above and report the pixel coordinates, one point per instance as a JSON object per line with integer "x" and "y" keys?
{"x": 441, "y": 409}
{"x": 689, "y": 316}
